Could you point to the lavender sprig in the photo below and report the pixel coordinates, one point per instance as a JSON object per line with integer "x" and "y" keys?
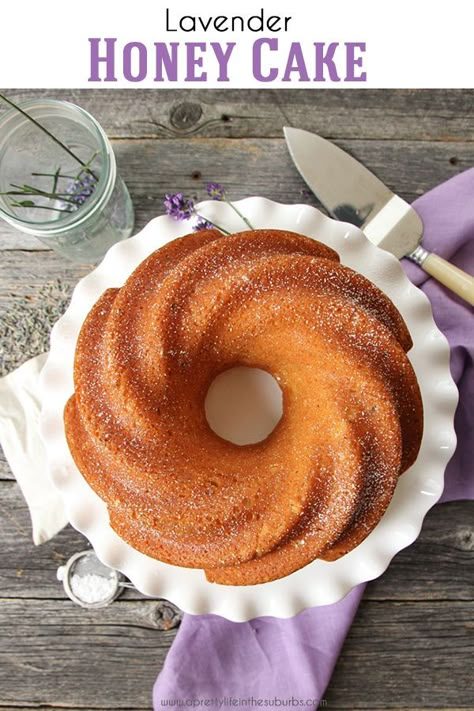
{"x": 48, "y": 133}
{"x": 78, "y": 188}
{"x": 179, "y": 207}
{"x": 202, "y": 224}
{"x": 217, "y": 192}
{"x": 77, "y": 191}
{"x": 30, "y": 203}
{"x": 182, "y": 208}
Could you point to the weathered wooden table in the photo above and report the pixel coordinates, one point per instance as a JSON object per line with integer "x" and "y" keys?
{"x": 410, "y": 646}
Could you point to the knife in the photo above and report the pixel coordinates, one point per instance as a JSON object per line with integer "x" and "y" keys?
{"x": 350, "y": 192}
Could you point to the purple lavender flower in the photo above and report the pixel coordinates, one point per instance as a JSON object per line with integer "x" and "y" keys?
{"x": 203, "y": 224}
{"x": 215, "y": 191}
{"x": 178, "y": 207}
{"x": 80, "y": 189}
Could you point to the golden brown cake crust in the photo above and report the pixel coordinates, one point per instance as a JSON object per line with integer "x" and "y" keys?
{"x": 320, "y": 482}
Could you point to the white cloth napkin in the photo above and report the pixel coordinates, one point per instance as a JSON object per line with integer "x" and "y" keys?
{"x": 19, "y": 435}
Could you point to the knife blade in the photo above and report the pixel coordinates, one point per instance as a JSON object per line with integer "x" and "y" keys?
{"x": 350, "y": 192}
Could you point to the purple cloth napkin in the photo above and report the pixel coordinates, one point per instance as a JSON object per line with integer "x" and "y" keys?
{"x": 268, "y": 657}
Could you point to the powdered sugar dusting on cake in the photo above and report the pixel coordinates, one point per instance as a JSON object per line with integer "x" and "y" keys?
{"x": 270, "y": 299}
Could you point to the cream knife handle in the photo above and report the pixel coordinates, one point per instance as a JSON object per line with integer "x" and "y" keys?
{"x": 454, "y": 278}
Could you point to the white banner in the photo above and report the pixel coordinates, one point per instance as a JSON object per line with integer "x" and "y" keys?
{"x": 239, "y": 43}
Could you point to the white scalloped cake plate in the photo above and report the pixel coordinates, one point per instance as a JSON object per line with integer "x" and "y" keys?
{"x": 319, "y": 583}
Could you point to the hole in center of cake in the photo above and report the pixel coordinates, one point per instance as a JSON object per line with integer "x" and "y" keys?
{"x": 244, "y": 405}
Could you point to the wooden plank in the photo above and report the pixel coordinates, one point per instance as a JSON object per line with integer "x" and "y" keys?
{"x": 54, "y": 652}
{"x": 439, "y": 566}
{"x": 152, "y": 168}
{"x": 398, "y": 655}
{"x": 393, "y": 114}
{"x": 5, "y": 471}
{"x": 405, "y": 655}
{"x": 23, "y": 274}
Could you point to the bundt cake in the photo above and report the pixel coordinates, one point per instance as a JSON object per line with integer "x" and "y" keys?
{"x": 352, "y": 412}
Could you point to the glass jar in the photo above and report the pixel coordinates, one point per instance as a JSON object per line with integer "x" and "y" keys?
{"x": 84, "y": 221}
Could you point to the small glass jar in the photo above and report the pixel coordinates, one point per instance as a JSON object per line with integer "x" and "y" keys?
{"x": 82, "y": 223}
